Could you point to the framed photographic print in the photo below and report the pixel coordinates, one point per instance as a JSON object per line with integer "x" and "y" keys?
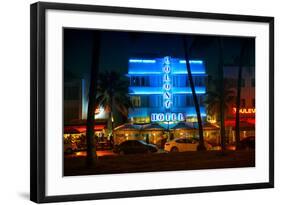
{"x": 129, "y": 102}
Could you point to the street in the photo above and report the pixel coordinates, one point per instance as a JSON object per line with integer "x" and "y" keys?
{"x": 109, "y": 163}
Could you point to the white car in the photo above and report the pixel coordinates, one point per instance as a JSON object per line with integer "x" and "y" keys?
{"x": 183, "y": 145}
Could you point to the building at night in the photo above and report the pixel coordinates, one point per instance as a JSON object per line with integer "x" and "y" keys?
{"x": 247, "y": 87}
{"x": 160, "y": 91}
{"x": 75, "y": 109}
{"x": 73, "y": 99}
{"x": 247, "y": 102}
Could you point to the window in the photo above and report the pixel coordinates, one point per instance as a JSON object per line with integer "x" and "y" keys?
{"x": 139, "y": 81}
{"x": 136, "y": 101}
{"x": 253, "y": 82}
{"x": 181, "y": 141}
{"x": 243, "y": 103}
{"x": 198, "y": 81}
{"x": 134, "y": 81}
{"x": 187, "y": 81}
{"x": 154, "y": 81}
{"x": 189, "y": 100}
{"x": 144, "y": 101}
{"x": 155, "y": 101}
{"x": 201, "y": 99}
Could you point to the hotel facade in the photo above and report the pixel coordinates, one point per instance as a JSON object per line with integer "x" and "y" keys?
{"x": 160, "y": 91}
{"x": 162, "y": 99}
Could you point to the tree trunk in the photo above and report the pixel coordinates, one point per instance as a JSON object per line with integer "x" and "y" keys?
{"x": 111, "y": 113}
{"x": 201, "y": 145}
{"x": 222, "y": 107}
{"x": 91, "y": 144}
{"x": 238, "y": 98}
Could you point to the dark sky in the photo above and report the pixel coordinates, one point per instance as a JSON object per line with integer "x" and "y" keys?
{"x": 117, "y": 47}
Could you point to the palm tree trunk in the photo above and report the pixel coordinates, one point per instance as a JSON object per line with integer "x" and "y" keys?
{"x": 201, "y": 145}
{"x": 238, "y": 98}
{"x": 222, "y": 103}
{"x": 111, "y": 114}
{"x": 91, "y": 144}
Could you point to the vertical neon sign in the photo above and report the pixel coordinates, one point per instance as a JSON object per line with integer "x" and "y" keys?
{"x": 167, "y": 86}
{"x": 167, "y": 96}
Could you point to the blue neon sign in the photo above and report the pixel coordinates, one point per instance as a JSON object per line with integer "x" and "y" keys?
{"x": 141, "y": 61}
{"x": 192, "y": 61}
{"x": 166, "y": 117}
{"x": 167, "y": 91}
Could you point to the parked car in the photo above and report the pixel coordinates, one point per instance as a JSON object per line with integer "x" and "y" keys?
{"x": 134, "y": 147}
{"x": 248, "y": 143}
{"x": 183, "y": 145}
{"x": 70, "y": 147}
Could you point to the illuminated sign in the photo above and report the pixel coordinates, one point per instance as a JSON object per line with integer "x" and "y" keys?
{"x": 167, "y": 96}
{"x": 166, "y": 117}
{"x": 167, "y": 86}
{"x": 245, "y": 110}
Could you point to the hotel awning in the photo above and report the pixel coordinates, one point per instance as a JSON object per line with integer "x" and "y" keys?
{"x": 244, "y": 125}
{"x": 76, "y": 129}
{"x": 184, "y": 126}
{"x": 128, "y": 126}
{"x": 194, "y": 126}
{"x": 153, "y": 126}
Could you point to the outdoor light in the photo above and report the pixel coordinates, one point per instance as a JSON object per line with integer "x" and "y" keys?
{"x": 141, "y": 61}
{"x": 191, "y": 61}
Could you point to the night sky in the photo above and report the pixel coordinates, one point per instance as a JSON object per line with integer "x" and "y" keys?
{"x": 117, "y": 47}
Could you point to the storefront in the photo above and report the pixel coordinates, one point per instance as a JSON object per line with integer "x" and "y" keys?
{"x": 76, "y": 132}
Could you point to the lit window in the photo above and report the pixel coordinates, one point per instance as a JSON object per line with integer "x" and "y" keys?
{"x": 136, "y": 101}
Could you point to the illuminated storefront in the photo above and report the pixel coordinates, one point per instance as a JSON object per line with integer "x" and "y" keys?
{"x": 247, "y": 109}
{"x": 160, "y": 91}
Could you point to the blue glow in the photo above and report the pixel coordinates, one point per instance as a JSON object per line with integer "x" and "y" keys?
{"x": 158, "y": 90}
{"x": 193, "y": 72}
{"x": 155, "y": 66}
{"x": 203, "y": 114}
{"x": 157, "y": 80}
{"x": 141, "y": 61}
{"x": 187, "y": 90}
{"x": 192, "y": 61}
{"x": 146, "y": 112}
{"x": 157, "y": 73}
{"x": 143, "y": 73}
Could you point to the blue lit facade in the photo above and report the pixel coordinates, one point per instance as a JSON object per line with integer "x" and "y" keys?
{"x": 160, "y": 92}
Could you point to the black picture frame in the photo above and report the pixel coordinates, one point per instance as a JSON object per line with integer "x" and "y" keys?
{"x": 38, "y": 101}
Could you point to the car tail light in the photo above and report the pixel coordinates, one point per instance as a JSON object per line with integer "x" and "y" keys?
{"x": 167, "y": 144}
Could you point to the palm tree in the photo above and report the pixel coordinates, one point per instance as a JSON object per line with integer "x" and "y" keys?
{"x": 91, "y": 150}
{"x": 221, "y": 92}
{"x": 112, "y": 93}
{"x": 238, "y": 98}
{"x": 201, "y": 145}
{"x": 213, "y": 97}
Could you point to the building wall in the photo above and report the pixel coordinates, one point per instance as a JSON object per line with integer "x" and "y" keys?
{"x": 72, "y": 100}
{"x": 247, "y": 87}
{"x": 148, "y": 80}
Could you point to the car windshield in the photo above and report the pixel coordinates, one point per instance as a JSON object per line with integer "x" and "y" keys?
{"x": 142, "y": 142}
